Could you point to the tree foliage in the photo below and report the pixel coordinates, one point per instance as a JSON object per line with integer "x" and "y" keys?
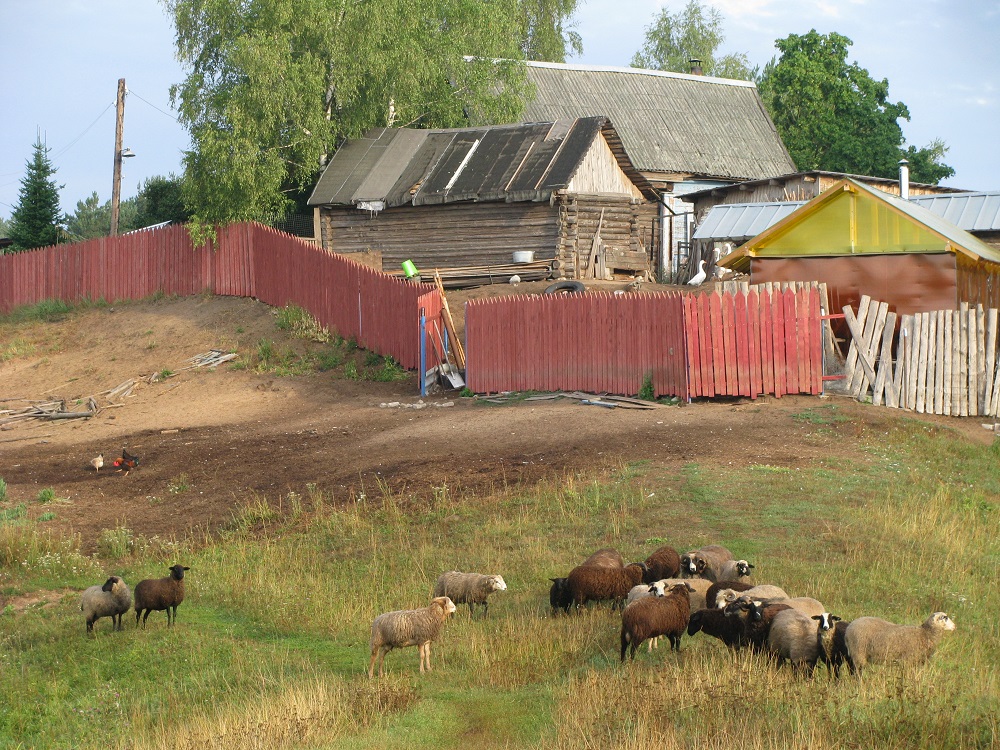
{"x": 832, "y": 115}
{"x": 91, "y": 219}
{"x": 161, "y": 199}
{"x": 927, "y": 163}
{"x": 694, "y": 33}
{"x": 37, "y": 220}
{"x": 274, "y": 86}
{"x": 547, "y": 30}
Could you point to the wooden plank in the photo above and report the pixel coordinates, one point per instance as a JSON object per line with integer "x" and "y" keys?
{"x": 973, "y": 393}
{"x": 995, "y": 398}
{"x": 991, "y": 359}
{"x": 872, "y": 339}
{"x": 851, "y": 364}
{"x": 743, "y": 362}
{"x": 981, "y": 383}
{"x": 864, "y": 361}
{"x": 718, "y": 345}
{"x": 923, "y": 321}
{"x": 884, "y": 374}
{"x": 898, "y": 379}
{"x": 729, "y": 327}
{"x": 963, "y": 360}
{"x": 939, "y": 354}
{"x": 932, "y": 318}
{"x": 792, "y": 384}
{"x": 753, "y": 341}
{"x": 766, "y": 343}
{"x": 778, "y": 342}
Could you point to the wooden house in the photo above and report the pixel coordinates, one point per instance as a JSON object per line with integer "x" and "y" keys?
{"x": 472, "y": 197}
{"x": 864, "y": 241}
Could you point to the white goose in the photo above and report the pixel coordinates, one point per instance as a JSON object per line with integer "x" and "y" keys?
{"x": 699, "y": 277}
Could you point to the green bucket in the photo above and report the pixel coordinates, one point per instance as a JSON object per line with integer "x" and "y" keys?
{"x": 410, "y": 270}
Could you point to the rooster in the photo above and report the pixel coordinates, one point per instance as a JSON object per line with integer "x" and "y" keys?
{"x": 126, "y": 463}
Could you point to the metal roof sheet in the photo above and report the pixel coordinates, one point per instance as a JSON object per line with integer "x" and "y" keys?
{"x": 740, "y": 221}
{"x": 668, "y": 122}
{"x": 973, "y": 212}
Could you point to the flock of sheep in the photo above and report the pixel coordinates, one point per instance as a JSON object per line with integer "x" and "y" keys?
{"x": 668, "y": 595}
{"x": 113, "y": 599}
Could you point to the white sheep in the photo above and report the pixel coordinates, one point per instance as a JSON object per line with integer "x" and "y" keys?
{"x": 408, "y": 627}
{"x": 112, "y": 599}
{"x": 872, "y": 639}
{"x": 697, "y": 588}
{"x": 469, "y": 588}
{"x": 764, "y": 591}
{"x": 732, "y": 570}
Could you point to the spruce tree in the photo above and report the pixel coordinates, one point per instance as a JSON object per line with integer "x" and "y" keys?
{"x": 37, "y": 221}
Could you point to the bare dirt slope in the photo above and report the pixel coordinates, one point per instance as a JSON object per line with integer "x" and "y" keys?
{"x": 209, "y": 439}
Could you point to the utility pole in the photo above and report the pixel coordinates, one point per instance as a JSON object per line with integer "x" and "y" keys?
{"x": 116, "y": 187}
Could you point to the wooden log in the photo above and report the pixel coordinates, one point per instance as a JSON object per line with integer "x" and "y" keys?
{"x": 884, "y": 375}
{"x": 851, "y": 364}
{"x": 858, "y": 335}
{"x": 939, "y": 385}
{"x": 963, "y": 360}
{"x": 450, "y": 324}
{"x": 873, "y": 337}
{"x": 898, "y": 376}
{"x": 923, "y": 321}
{"x": 949, "y": 360}
{"x": 981, "y": 385}
{"x": 991, "y": 359}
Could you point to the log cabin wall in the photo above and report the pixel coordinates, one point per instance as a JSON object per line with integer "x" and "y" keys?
{"x": 449, "y": 235}
{"x": 978, "y": 282}
{"x": 625, "y": 224}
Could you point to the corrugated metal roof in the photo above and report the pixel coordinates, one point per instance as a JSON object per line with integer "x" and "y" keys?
{"x": 500, "y": 162}
{"x": 741, "y": 221}
{"x": 668, "y": 122}
{"x": 973, "y": 212}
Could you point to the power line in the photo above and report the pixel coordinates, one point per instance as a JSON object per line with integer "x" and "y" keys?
{"x": 131, "y": 91}
{"x": 72, "y": 143}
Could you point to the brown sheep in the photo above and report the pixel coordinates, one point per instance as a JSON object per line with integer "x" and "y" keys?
{"x": 654, "y": 616}
{"x": 663, "y": 563}
{"x": 160, "y": 594}
{"x": 716, "y": 623}
{"x": 756, "y": 618}
{"x": 408, "y": 627}
{"x": 831, "y": 641}
{"x": 589, "y": 584}
{"x": 705, "y": 562}
{"x": 606, "y": 557}
{"x": 717, "y": 586}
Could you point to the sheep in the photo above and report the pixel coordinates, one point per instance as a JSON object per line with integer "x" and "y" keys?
{"x": 831, "y": 641}
{"x": 713, "y": 591}
{"x": 872, "y": 640}
{"x": 716, "y": 623}
{"x": 663, "y": 563}
{"x": 587, "y": 583}
{"x": 112, "y": 599}
{"x": 755, "y": 618}
{"x": 606, "y": 557}
{"x": 560, "y": 596}
{"x": 160, "y": 594}
{"x": 727, "y": 596}
{"x": 733, "y": 570}
{"x": 469, "y": 588}
{"x": 793, "y": 638}
{"x": 697, "y": 587}
{"x": 654, "y": 616}
{"x": 408, "y": 627}
{"x": 657, "y": 588}
{"x": 705, "y": 562}
{"x": 804, "y": 604}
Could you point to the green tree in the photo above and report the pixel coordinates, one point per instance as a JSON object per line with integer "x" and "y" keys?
{"x": 547, "y": 30}
{"x": 269, "y": 94}
{"x": 91, "y": 219}
{"x": 161, "y": 199}
{"x": 4, "y": 229}
{"x": 37, "y": 220}
{"x": 694, "y": 33}
{"x": 927, "y": 163}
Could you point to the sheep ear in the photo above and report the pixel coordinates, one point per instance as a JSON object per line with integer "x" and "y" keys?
{"x": 834, "y": 618}
{"x": 819, "y": 617}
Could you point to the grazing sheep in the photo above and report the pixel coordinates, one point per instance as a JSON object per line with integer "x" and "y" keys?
{"x": 697, "y": 587}
{"x": 805, "y": 604}
{"x": 112, "y": 599}
{"x": 764, "y": 591}
{"x": 831, "y": 641}
{"x": 160, "y": 594}
{"x": 469, "y": 588}
{"x": 663, "y": 563}
{"x": 705, "y": 562}
{"x": 654, "y": 616}
{"x": 560, "y": 596}
{"x": 408, "y": 627}
{"x": 589, "y": 584}
{"x": 793, "y": 638}
{"x": 734, "y": 570}
{"x": 713, "y": 591}
{"x": 606, "y": 557}
{"x": 657, "y": 588}
{"x": 872, "y": 640}
{"x": 716, "y": 623}
{"x": 756, "y": 618}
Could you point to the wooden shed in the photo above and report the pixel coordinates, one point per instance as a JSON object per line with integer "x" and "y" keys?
{"x": 860, "y": 240}
{"x": 472, "y": 197}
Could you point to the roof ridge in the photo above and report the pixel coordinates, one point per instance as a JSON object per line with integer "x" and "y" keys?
{"x": 641, "y": 71}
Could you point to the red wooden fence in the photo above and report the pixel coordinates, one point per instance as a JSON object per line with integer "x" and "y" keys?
{"x": 742, "y": 344}
{"x": 247, "y": 260}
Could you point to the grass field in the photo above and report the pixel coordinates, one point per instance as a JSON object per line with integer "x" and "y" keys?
{"x": 270, "y": 649}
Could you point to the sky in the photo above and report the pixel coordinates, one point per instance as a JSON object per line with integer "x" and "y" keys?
{"x": 63, "y": 59}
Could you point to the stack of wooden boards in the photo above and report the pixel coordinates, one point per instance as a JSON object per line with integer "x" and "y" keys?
{"x": 945, "y": 361}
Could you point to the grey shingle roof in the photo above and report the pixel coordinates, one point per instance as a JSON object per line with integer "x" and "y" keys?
{"x": 973, "y": 212}
{"x": 494, "y": 163}
{"x": 668, "y": 122}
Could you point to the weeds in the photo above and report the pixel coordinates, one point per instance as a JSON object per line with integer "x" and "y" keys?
{"x": 3, "y": 490}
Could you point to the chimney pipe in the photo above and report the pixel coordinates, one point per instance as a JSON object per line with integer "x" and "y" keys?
{"x": 904, "y": 179}
{"x": 695, "y": 64}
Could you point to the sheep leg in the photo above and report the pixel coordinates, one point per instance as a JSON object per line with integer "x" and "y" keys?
{"x": 486, "y": 608}
{"x": 427, "y": 654}
{"x": 371, "y": 663}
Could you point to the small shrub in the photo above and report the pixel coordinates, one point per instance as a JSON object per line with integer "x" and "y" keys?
{"x": 351, "y": 370}
{"x": 46, "y": 495}
{"x": 178, "y": 485}
{"x": 372, "y": 359}
{"x": 646, "y": 392}
{"x": 115, "y": 543}
{"x": 329, "y": 359}
{"x": 18, "y": 512}
{"x": 3, "y": 490}
{"x": 467, "y": 393}
{"x": 47, "y": 516}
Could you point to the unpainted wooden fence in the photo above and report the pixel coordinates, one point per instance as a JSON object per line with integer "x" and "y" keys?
{"x": 379, "y": 311}
{"x": 736, "y": 343}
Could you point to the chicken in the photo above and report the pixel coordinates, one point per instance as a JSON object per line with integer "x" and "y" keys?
{"x": 97, "y": 462}
{"x": 127, "y": 462}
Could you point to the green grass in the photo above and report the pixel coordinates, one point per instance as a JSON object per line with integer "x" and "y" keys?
{"x": 270, "y": 647}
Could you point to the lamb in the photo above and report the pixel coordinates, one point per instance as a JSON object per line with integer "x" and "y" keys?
{"x": 160, "y": 594}
{"x": 716, "y": 623}
{"x": 705, "y": 562}
{"x": 112, "y": 599}
{"x": 606, "y": 557}
{"x": 663, "y": 563}
{"x": 560, "y": 596}
{"x": 657, "y": 588}
{"x": 713, "y": 591}
{"x": 734, "y": 570}
{"x": 727, "y": 596}
{"x": 654, "y": 616}
{"x": 469, "y": 588}
{"x": 408, "y": 627}
{"x": 830, "y": 640}
{"x": 793, "y": 638}
{"x": 873, "y": 640}
{"x": 592, "y": 584}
